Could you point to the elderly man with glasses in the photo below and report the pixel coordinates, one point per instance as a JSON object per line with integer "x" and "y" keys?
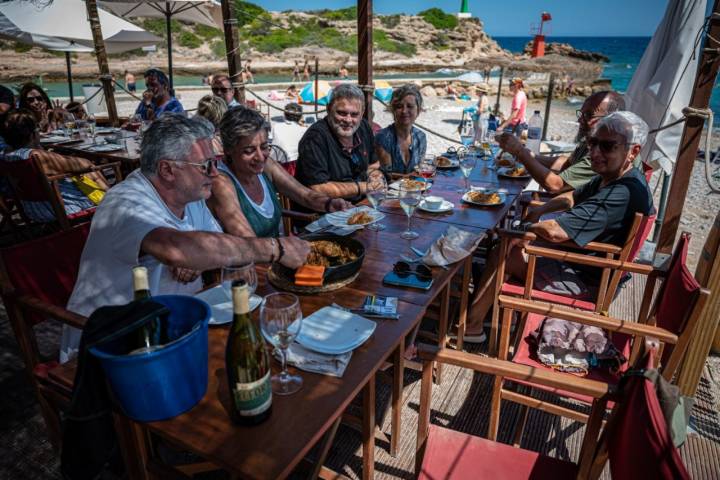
{"x": 222, "y": 87}
{"x": 564, "y": 173}
{"x": 157, "y": 218}
{"x": 158, "y": 98}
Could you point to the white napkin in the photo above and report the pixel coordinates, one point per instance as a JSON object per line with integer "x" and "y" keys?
{"x": 452, "y": 247}
{"x": 304, "y": 359}
{"x": 324, "y": 224}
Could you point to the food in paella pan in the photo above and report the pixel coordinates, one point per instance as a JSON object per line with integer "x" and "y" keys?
{"x": 518, "y": 171}
{"x": 360, "y": 218}
{"x": 443, "y": 161}
{"x": 505, "y": 160}
{"x": 410, "y": 184}
{"x": 325, "y": 253}
{"x": 484, "y": 197}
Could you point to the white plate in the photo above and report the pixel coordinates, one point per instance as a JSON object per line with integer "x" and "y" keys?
{"x": 396, "y": 185}
{"x": 221, "y": 304}
{"x": 454, "y": 162}
{"x": 340, "y": 219}
{"x": 503, "y": 172}
{"x": 104, "y": 148}
{"x": 56, "y": 139}
{"x": 104, "y": 130}
{"x": 502, "y": 195}
{"x": 445, "y": 207}
{"x": 62, "y": 132}
{"x": 334, "y": 331}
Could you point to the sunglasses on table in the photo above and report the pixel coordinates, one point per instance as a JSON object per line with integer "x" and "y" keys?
{"x": 205, "y": 167}
{"x": 605, "y": 146}
{"x": 404, "y": 269}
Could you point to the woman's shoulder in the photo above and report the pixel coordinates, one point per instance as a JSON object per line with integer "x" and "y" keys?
{"x": 418, "y": 133}
{"x": 386, "y": 134}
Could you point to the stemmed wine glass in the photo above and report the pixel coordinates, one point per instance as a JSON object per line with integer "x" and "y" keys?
{"x": 467, "y": 163}
{"x": 91, "y": 125}
{"x": 426, "y": 168}
{"x": 240, "y": 272}
{"x": 462, "y": 152}
{"x": 377, "y": 192}
{"x": 280, "y": 321}
{"x": 409, "y": 199}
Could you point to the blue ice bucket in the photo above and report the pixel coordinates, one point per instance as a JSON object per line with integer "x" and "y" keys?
{"x": 163, "y": 383}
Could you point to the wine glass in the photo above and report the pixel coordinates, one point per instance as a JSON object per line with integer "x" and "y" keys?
{"x": 426, "y": 168}
{"x": 376, "y": 193}
{"x": 462, "y": 152}
{"x": 68, "y": 123}
{"x": 239, "y": 272}
{"x": 467, "y": 163}
{"x": 91, "y": 125}
{"x": 280, "y": 321}
{"x": 409, "y": 199}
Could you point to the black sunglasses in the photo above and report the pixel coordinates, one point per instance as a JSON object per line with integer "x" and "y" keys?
{"x": 422, "y": 272}
{"x": 605, "y": 146}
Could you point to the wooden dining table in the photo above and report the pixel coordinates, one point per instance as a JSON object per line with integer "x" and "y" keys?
{"x": 80, "y": 145}
{"x": 309, "y": 417}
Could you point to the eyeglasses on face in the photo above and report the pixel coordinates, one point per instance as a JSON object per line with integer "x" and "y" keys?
{"x": 205, "y": 167}
{"x": 422, "y": 272}
{"x": 605, "y": 146}
{"x": 34, "y": 98}
{"x": 586, "y": 115}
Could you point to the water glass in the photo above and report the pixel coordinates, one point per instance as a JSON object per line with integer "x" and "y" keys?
{"x": 377, "y": 192}
{"x": 68, "y": 123}
{"x": 409, "y": 200}
{"x": 91, "y": 126}
{"x": 239, "y": 272}
{"x": 280, "y": 322}
{"x": 467, "y": 163}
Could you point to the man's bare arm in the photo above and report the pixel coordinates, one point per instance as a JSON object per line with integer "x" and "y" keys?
{"x": 546, "y": 178}
{"x": 562, "y": 202}
{"x": 550, "y": 230}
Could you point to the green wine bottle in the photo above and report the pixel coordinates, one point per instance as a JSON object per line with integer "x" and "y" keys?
{"x": 152, "y": 333}
{"x": 247, "y": 364}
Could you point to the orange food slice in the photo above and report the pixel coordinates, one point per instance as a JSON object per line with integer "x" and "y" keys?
{"x": 310, "y": 275}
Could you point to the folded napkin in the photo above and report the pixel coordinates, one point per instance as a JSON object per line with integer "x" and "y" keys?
{"x": 452, "y": 247}
{"x": 304, "y": 359}
{"x": 323, "y": 224}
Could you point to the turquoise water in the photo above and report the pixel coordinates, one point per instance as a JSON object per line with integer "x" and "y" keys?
{"x": 624, "y": 52}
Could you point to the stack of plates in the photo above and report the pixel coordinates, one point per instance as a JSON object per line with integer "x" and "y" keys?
{"x": 334, "y": 331}
{"x": 221, "y": 304}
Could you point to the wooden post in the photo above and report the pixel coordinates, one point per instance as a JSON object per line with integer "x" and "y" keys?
{"x": 551, "y": 88}
{"x": 69, "y": 75}
{"x": 365, "y": 53}
{"x": 231, "y": 47}
{"x": 692, "y": 132}
{"x": 169, "y": 46}
{"x": 317, "y": 72}
{"x": 497, "y": 102}
{"x": 102, "y": 60}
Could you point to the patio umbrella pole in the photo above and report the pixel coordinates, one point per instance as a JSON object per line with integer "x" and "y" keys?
{"x": 551, "y": 87}
{"x": 365, "y": 53}
{"x": 231, "y": 47}
{"x": 69, "y": 75}
{"x": 317, "y": 64}
{"x": 102, "y": 60}
{"x": 169, "y": 44}
{"x": 497, "y": 102}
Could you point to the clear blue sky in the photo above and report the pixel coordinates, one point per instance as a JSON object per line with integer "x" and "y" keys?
{"x": 513, "y": 17}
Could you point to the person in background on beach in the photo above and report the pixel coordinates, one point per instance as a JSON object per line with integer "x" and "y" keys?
{"x": 246, "y": 73}
{"x": 343, "y": 72}
{"x": 212, "y": 109}
{"x": 162, "y": 101}
{"x": 222, "y": 87}
{"x": 336, "y": 153}
{"x": 245, "y": 194}
{"x": 567, "y": 172}
{"x": 570, "y": 85}
{"x": 306, "y": 71}
{"x": 291, "y": 93}
{"x": 130, "y": 82}
{"x": 602, "y": 210}
{"x": 287, "y": 134}
{"x": 401, "y": 146}
{"x": 205, "y": 80}
{"x": 482, "y": 116}
{"x": 77, "y": 109}
{"x": 296, "y": 72}
{"x": 33, "y": 98}
{"x": 516, "y": 122}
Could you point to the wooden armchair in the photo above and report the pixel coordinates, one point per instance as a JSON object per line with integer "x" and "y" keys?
{"x": 636, "y": 426}
{"x": 672, "y": 320}
{"x": 29, "y": 183}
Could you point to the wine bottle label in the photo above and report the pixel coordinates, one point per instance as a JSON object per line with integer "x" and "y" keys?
{"x": 253, "y": 398}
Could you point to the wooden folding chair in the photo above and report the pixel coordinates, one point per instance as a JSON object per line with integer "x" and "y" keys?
{"x": 672, "y": 320}
{"x": 636, "y": 439}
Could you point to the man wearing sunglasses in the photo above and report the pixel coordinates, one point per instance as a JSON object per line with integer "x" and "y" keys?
{"x": 222, "y": 87}
{"x": 602, "y": 210}
{"x": 567, "y": 172}
{"x": 157, "y": 217}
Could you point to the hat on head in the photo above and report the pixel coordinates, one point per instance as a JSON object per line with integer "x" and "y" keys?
{"x": 517, "y": 81}
{"x": 482, "y": 87}
{"x": 159, "y": 74}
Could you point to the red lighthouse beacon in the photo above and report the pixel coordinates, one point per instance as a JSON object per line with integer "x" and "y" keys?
{"x": 538, "y": 49}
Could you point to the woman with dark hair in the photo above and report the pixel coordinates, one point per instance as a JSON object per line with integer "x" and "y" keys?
{"x": 33, "y": 98}
{"x": 23, "y": 139}
{"x": 244, "y": 196}
{"x": 401, "y": 146}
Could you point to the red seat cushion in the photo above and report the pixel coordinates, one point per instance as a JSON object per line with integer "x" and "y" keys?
{"x": 525, "y": 355}
{"x": 517, "y": 290}
{"x": 454, "y": 455}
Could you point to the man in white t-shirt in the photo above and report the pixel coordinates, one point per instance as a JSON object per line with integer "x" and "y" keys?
{"x": 157, "y": 218}
{"x": 287, "y": 134}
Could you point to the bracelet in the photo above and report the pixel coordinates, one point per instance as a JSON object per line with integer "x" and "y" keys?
{"x": 357, "y": 184}
{"x": 272, "y": 250}
{"x": 327, "y": 204}
{"x": 282, "y": 250}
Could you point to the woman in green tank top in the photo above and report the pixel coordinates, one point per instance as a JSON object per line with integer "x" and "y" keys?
{"x": 245, "y": 194}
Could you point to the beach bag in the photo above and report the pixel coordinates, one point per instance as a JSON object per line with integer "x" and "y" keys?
{"x": 89, "y": 188}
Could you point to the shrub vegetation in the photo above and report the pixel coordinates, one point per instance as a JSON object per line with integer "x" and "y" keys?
{"x": 439, "y": 19}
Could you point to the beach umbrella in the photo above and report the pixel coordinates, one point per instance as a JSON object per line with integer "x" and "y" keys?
{"x": 40, "y": 26}
{"x": 663, "y": 81}
{"x": 205, "y": 12}
{"x": 307, "y": 94}
{"x": 472, "y": 77}
{"x": 383, "y": 91}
